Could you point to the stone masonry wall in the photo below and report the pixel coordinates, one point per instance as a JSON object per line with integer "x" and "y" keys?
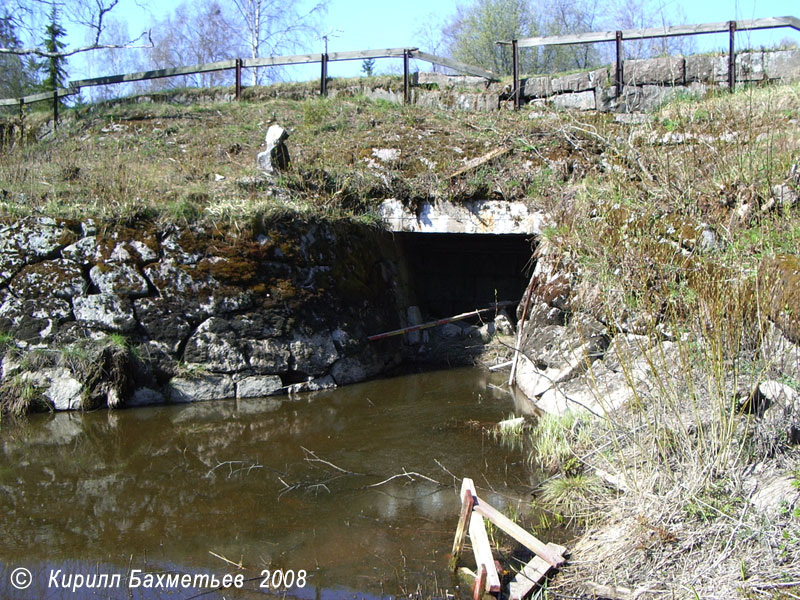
{"x": 98, "y": 315}
{"x": 650, "y": 82}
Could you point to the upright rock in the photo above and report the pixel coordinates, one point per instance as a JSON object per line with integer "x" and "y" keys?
{"x": 276, "y": 156}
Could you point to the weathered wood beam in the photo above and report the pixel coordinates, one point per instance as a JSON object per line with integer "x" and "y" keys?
{"x": 455, "y": 65}
{"x": 301, "y": 59}
{"x": 483, "y": 553}
{"x": 37, "y": 97}
{"x": 518, "y": 533}
{"x": 156, "y": 74}
{"x": 652, "y": 32}
{"x": 480, "y": 160}
{"x": 531, "y": 574}
{"x": 468, "y": 495}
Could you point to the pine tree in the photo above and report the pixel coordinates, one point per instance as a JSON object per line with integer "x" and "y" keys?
{"x": 17, "y": 74}
{"x": 53, "y": 66}
{"x": 368, "y": 66}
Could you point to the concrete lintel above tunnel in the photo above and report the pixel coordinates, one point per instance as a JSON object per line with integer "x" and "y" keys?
{"x": 474, "y": 216}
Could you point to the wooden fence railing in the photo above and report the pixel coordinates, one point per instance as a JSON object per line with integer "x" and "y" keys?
{"x": 238, "y": 64}
{"x": 731, "y": 27}
{"x": 414, "y": 53}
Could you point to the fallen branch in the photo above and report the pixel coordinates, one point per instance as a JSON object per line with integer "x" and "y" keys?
{"x": 230, "y": 562}
{"x": 409, "y": 474}
{"x": 481, "y": 160}
{"x": 315, "y": 458}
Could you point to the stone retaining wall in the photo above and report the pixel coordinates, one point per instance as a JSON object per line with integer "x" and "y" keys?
{"x": 98, "y": 315}
{"x": 650, "y": 82}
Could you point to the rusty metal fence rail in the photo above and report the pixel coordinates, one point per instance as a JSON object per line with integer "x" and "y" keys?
{"x": 730, "y": 27}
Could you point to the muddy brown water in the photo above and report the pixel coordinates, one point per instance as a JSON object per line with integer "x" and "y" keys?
{"x": 288, "y": 485}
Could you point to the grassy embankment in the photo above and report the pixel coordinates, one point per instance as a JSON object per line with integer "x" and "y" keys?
{"x": 628, "y": 202}
{"x": 705, "y": 488}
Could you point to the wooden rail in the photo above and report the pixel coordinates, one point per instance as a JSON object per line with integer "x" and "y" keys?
{"x": 592, "y": 37}
{"x": 60, "y": 93}
{"x": 548, "y": 556}
{"x": 656, "y": 32}
{"x": 270, "y": 61}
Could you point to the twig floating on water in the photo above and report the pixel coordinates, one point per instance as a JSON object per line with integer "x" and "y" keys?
{"x": 315, "y": 458}
{"x": 409, "y": 474}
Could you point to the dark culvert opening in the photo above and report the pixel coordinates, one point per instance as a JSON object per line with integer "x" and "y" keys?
{"x": 452, "y": 273}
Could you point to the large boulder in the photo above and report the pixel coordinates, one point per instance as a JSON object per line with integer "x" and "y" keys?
{"x": 313, "y": 354}
{"x": 60, "y": 387}
{"x": 31, "y": 240}
{"x": 258, "y": 386}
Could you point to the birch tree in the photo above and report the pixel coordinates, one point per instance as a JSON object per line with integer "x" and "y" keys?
{"x": 271, "y": 27}
{"x": 476, "y": 27}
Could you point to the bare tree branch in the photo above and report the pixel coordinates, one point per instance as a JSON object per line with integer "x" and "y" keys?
{"x": 67, "y": 53}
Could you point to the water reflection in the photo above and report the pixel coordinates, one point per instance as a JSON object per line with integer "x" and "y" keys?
{"x": 292, "y": 483}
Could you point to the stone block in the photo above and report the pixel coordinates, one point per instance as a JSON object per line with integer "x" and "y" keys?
{"x": 580, "y": 82}
{"x": 450, "y": 81}
{"x": 104, "y": 311}
{"x": 667, "y": 70}
{"x": 749, "y": 67}
{"x": 576, "y": 101}
{"x": 782, "y": 64}
{"x": 536, "y": 87}
{"x": 706, "y": 68}
{"x": 258, "y": 386}
{"x": 645, "y": 98}
{"x": 202, "y": 387}
{"x": 121, "y": 279}
{"x": 605, "y": 99}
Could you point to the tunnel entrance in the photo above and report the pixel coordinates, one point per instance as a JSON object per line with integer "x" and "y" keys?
{"x": 451, "y": 273}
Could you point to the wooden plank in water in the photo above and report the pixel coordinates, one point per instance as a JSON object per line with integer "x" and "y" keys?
{"x": 518, "y": 533}
{"x": 483, "y": 553}
{"x": 531, "y": 575}
{"x": 467, "y": 502}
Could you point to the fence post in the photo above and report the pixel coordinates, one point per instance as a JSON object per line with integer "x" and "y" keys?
{"x": 323, "y": 87}
{"x": 515, "y": 70}
{"x": 238, "y": 78}
{"x": 55, "y": 110}
{"x": 406, "y": 89}
{"x": 618, "y": 78}
{"x": 731, "y": 56}
{"x": 21, "y": 119}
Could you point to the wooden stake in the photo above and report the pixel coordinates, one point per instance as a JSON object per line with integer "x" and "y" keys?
{"x": 238, "y": 79}
{"x": 483, "y": 554}
{"x": 467, "y": 502}
{"x": 480, "y": 584}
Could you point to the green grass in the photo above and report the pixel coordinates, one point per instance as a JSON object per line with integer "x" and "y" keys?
{"x": 183, "y": 162}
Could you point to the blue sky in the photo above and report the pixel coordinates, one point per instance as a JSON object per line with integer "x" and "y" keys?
{"x": 360, "y": 24}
